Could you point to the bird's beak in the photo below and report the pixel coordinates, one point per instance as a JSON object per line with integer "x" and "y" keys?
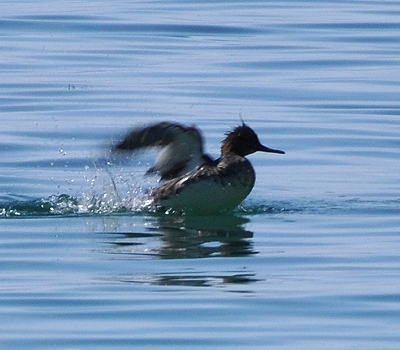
{"x": 263, "y": 148}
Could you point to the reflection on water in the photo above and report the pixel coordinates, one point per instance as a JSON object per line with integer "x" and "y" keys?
{"x": 190, "y": 280}
{"x": 181, "y": 237}
{"x": 186, "y": 237}
{"x": 199, "y": 238}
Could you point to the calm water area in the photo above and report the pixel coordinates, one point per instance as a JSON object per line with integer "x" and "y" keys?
{"x": 310, "y": 260}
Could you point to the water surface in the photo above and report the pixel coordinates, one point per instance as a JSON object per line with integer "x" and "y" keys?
{"x": 311, "y": 257}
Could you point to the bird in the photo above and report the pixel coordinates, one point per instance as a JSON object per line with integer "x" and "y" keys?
{"x": 195, "y": 183}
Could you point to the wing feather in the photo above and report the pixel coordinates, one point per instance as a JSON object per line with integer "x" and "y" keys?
{"x": 154, "y": 135}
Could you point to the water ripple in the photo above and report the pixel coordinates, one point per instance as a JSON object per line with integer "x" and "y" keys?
{"x": 96, "y": 25}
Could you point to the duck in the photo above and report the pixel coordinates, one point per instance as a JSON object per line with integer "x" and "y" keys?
{"x": 195, "y": 183}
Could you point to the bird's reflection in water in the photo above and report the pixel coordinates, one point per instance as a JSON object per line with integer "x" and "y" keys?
{"x": 187, "y": 237}
{"x": 200, "y": 237}
{"x": 240, "y": 280}
{"x": 180, "y": 237}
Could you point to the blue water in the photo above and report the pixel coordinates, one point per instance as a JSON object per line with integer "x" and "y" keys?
{"x": 309, "y": 260}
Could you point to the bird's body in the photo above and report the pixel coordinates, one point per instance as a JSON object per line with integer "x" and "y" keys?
{"x": 202, "y": 185}
{"x": 212, "y": 188}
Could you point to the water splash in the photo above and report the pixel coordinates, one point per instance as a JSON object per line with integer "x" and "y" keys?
{"x": 64, "y": 204}
{"x": 109, "y": 191}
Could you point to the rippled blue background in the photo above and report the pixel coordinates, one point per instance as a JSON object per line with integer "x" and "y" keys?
{"x": 311, "y": 259}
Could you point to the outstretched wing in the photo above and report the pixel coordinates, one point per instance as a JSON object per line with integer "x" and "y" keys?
{"x": 155, "y": 135}
{"x": 181, "y": 147}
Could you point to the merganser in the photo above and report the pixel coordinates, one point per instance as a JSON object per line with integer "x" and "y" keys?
{"x": 196, "y": 183}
